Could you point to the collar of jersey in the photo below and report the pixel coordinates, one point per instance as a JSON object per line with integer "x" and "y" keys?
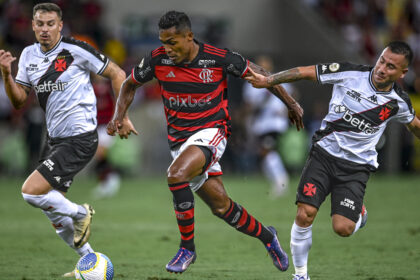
{"x": 374, "y": 88}
{"x": 50, "y": 51}
{"x": 200, "y": 50}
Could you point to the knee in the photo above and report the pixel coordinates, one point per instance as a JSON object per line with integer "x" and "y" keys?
{"x": 220, "y": 206}
{"x": 305, "y": 215}
{"x": 176, "y": 175}
{"x": 343, "y": 229}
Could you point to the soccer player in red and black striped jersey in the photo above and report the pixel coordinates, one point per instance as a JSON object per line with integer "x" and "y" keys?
{"x": 192, "y": 77}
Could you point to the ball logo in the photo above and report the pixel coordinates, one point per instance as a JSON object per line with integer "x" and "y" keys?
{"x": 309, "y": 189}
{"x": 206, "y": 75}
{"x": 334, "y": 67}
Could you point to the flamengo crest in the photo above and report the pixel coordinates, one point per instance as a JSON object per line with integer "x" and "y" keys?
{"x": 206, "y": 75}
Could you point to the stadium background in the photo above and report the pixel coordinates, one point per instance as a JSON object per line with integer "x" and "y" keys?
{"x": 292, "y": 32}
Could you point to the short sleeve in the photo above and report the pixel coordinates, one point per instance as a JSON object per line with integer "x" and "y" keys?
{"x": 143, "y": 73}
{"x": 236, "y": 64}
{"x": 406, "y": 113}
{"x": 22, "y": 75}
{"x": 90, "y": 58}
{"x": 336, "y": 72}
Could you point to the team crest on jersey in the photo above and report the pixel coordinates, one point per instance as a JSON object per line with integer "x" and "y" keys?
{"x": 206, "y": 75}
{"x": 60, "y": 65}
{"x": 334, "y": 67}
{"x": 384, "y": 114}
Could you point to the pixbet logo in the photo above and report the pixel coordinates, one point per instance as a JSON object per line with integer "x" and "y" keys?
{"x": 188, "y": 102}
{"x": 361, "y": 124}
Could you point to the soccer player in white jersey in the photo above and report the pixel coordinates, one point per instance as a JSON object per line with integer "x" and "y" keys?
{"x": 364, "y": 100}
{"x": 58, "y": 69}
{"x": 267, "y": 121}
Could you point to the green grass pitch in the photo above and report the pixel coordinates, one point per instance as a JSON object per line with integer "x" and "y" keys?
{"x": 137, "y": 230}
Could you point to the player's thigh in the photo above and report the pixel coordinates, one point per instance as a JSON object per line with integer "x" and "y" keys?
{"x": 188, "y": 164}
{"x": 348, "y": 192}
{"x": 315, "y": 181}
{"x": 64, "y": 158}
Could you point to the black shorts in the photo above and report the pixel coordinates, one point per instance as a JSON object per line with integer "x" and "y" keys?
{"x": 345, "y": 180}
{"x": 269, "y": 140}
{"x": 62, "y": 158}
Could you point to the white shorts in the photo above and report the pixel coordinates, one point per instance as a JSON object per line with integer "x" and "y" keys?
{"x": 104, "y": 139}
{"x": 215, "y": 140}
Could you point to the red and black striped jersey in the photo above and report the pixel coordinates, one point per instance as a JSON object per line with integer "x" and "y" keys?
{"x": 195, "y": 94}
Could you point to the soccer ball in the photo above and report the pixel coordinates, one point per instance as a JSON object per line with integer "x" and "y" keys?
{"x": 94, "y": 266}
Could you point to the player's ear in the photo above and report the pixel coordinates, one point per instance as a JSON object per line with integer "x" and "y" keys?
{"x": 404, "y": 71}
{"x": 60, "y": 25}
{"x": 190, "y": 35}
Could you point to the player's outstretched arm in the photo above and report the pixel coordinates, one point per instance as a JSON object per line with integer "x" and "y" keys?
{"x": 295, "y": 112}
{"x": 120, "y": 122}
{"x": 17, "y": 93}
{"x": 414, "y": 127}
{"x": 286, "y": 76}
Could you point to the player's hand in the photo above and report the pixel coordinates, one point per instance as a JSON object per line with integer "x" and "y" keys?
{"x": 125, "y": 128}
{"x": 295, "y": 114}
{"x": 257, "y": 80}
{"x": 6, "y": 59}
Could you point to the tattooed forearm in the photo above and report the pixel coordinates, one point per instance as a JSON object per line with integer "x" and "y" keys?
{"x": 286, "y": 76}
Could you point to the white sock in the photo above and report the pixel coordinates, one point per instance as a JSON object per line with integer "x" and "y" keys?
{"x": 300, "y": 244}
{"x": 56, "y": 203}
{"x": 359, "y": 222}
{"x": 64, "y": 228}
{"x": 274, "y": 169}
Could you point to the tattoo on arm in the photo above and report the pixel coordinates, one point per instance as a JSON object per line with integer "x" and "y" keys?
{"x": 286, "y": 76}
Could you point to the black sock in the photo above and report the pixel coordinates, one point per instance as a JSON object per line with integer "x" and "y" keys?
{"x": 184, "y": 210}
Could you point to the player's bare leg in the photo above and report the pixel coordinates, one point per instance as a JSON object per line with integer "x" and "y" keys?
{"x": 186, "y": 166}
{"x": 214, "y": 195}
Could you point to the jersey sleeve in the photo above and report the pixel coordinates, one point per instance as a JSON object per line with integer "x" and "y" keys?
{"x": 22, "y": 75}
{"x": 406, "y": 113}
{"x": 236, "y": 64}
{"x": 336, "y": 72}
{"x": 93, "y": 60}
{"x": 143, "y": 72}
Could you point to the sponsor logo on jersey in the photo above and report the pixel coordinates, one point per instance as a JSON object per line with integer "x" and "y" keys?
{"x": 188, "y": 101}
{"x": 50, "y": 86}
{"x": 334, "y": 67}
{"x": 232, "y": 69}
{"x": 309, "y": 189}
{"x": 144, "y": 72}
{"x": 32, "y": 67}
{"x": 354, "y": 95}
{"x": 57, "y": 178}
{"x": 206, "y": 75}
{"x": 340, "y": 108}
{"x": 167, "y": 61}
{"x": 49, "y": 164}
{"x": 206, "y": 62}
{"x": 141, "y": 63}
{"x": 67, "y": 183}
{"x": 361, "y": 124}
{"x": 348, "y": 203}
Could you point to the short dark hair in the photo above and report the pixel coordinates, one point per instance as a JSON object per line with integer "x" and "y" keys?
{"x": 402, "y": 48}
{"x": 173, "y": 18}
{"x": 48, "y": 7}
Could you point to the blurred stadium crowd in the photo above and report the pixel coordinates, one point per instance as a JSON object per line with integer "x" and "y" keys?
{"x": 372, "y": 22}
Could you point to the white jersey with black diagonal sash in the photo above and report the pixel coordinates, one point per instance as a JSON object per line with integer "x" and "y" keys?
{"x": 358, "y": 113}
{"x": 61, "y": 80}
